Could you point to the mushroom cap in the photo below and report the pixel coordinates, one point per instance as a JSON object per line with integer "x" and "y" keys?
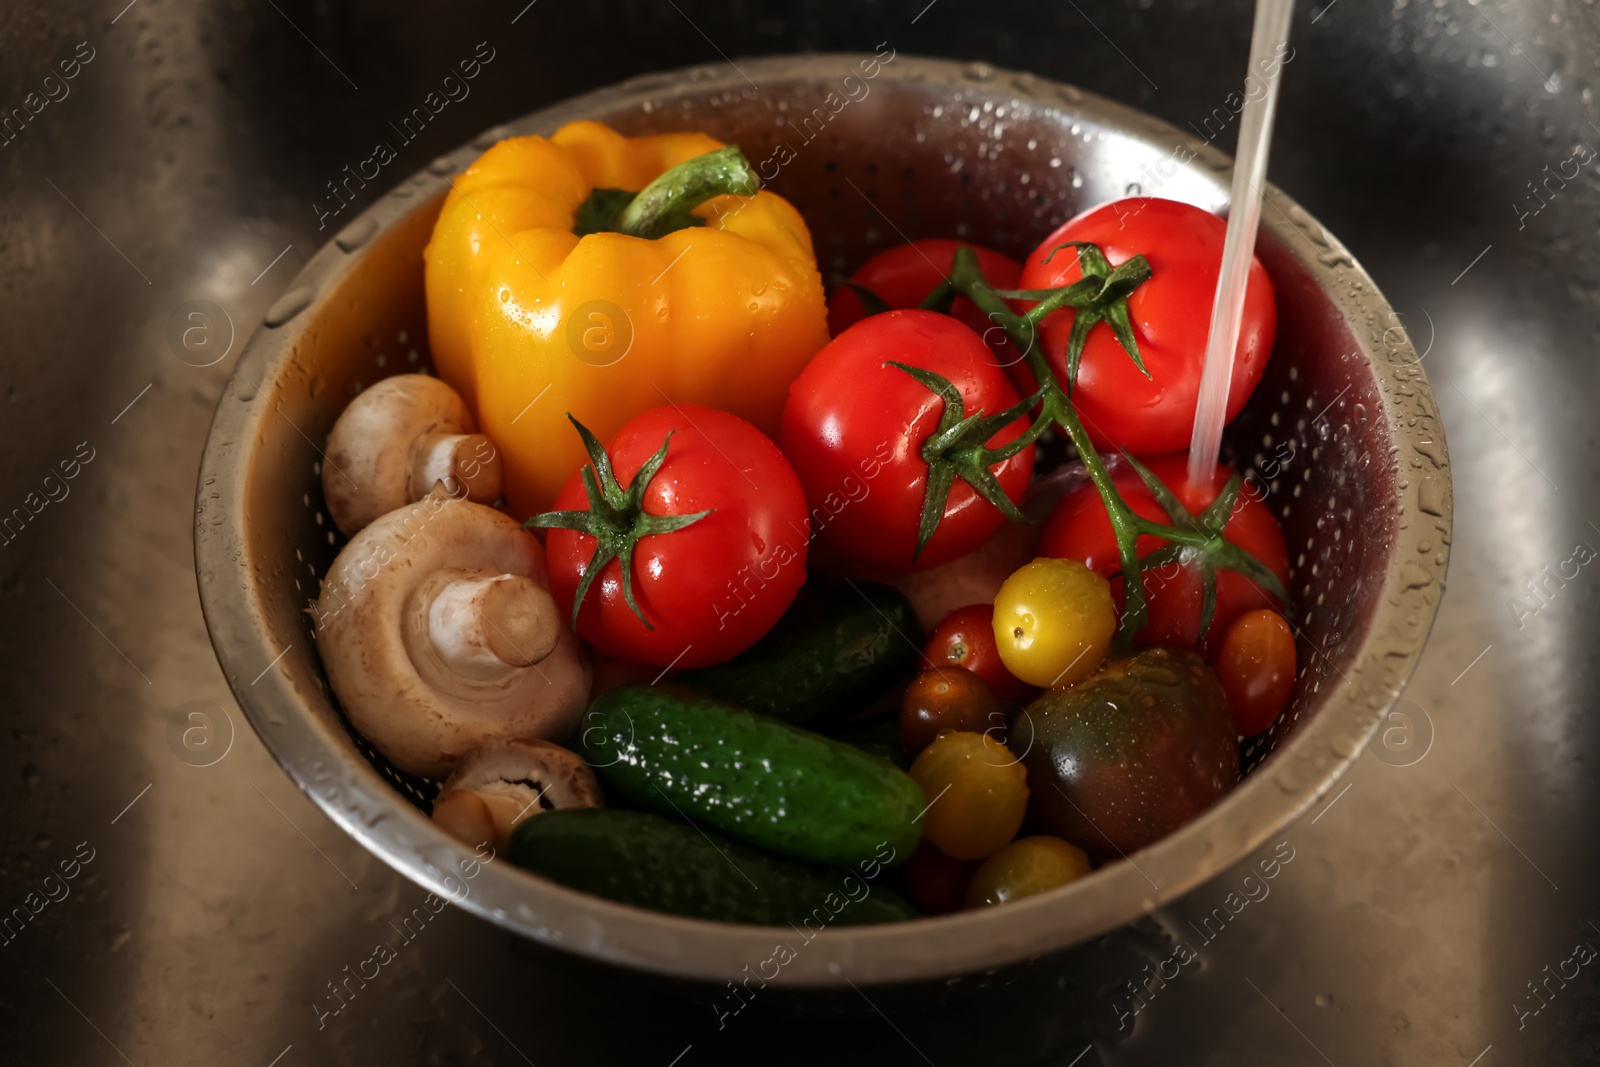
{"x": 372, "y": 633}
{"x": 560, "y": 774}
{"x": 367, "y": 465}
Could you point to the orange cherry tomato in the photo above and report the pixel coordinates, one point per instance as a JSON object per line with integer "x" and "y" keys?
{"x": 977, "y": 794}
{"x": 935, "y": 881}
{"x": 1256, "y": 665}
{"x": 947, "y": 698}
{"x": 966, "y": 639}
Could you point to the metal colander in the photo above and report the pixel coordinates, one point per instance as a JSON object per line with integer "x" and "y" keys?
{"x": 1343, "y": 436}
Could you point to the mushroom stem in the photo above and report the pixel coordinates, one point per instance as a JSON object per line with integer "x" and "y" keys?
{"x": 486, "y": 626}
{"x": 467, "y": 463}
{"x": 466, "y": 817}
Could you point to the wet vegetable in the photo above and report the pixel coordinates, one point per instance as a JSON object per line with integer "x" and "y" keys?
{"x": 831, "y": 654}
{"x": 545, "y": 272}
{"x": 774, "y": 785}
{"x": 697, "y": 557}
{"x": 977, "y": 794}
{"x": 965, "y": 638}
{"x": 1053, "y": 622}
{"x": 1025, "y": 867}
{"x": 1256, "y": 666}
{"x": 1145, "y": 405}
{"x": 910, "y": 439}
{"x": 1123, "y": 759}
{"x": 634, "y": 857}
{"x": 1191, "y": 589}
{"x": 948, "y": 698}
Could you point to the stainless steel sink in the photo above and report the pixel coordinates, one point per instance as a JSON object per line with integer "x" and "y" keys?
{"x": 160, "y": 199}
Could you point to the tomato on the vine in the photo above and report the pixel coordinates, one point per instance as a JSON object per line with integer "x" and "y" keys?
{"x": 966, "y": 639}
{"x": 1079, "y": 529}
{"x": 1170, "y": 313}
{"x": 711, "y": 522}
{"x": 902, "y": 277}
{"x": 858, "y": 425}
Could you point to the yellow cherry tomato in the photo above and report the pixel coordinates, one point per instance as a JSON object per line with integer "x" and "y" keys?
{"x": 1023, "y": 868}
{"x": 977, "y": 794}
{"x": 1053, "y": 622}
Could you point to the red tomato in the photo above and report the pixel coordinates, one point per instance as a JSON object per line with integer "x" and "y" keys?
{"x": 966, "y": 639}
{"x": 1079, "y": 529}
{"x": 854, "y": 430}
{"x": 937, "y": 882}
{"x": 903, "y": 277}
{"x": 1171, "y": 315}
{"x": 1256, "y": 665}
{"x": 714, "y": 587}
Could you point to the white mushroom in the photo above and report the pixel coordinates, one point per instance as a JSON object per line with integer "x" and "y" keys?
{"x": 505, "y": 782}
{"x": 396, "y": 440}
{"x": 438, "y": 633}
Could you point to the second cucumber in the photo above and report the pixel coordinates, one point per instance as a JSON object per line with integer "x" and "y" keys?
{"x": 774, "y": 785}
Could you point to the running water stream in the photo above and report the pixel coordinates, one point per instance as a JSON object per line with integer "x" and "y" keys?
{"x": 1267, "y": 39}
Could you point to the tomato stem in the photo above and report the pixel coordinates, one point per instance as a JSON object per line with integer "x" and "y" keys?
{"x": 616, "y": 518}
{"x": 1095, "y": 295}
{"x": 958, "y": 447}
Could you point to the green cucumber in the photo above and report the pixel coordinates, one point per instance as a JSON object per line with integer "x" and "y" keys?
{"x": 637, "y": 858}
{"x": 774, "y": 785}
{"x": 830, "y": 655}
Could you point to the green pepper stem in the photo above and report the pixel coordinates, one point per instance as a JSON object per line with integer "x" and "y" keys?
{"x": 666, "y": 204}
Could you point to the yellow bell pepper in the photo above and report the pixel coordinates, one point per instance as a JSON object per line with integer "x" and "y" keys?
{"x": 529, "y": 321}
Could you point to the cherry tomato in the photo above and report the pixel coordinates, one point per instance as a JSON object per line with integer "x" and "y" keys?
{"x": 947, "y": 698}
{"x": 1256, "y": 665}
{"x": 936, "y": 882}
{"x": 977, "y": 794}
{"x": 1053, "y": 622}
{"x": 1171, "y": 316}
{"x": 1079, "y": 529}
{"x": 854, "y": 429}
{"x": 966, "y": 639}
{"x": 1025, "y": 867}
{"x": 711, "y": 589}
{"x": 1126, "y": 757}
{"x": 903, "y": 277}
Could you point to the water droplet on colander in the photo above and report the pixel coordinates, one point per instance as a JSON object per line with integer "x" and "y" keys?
{"x": 289, "y": 305}
{"x": 356, "y": 234}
